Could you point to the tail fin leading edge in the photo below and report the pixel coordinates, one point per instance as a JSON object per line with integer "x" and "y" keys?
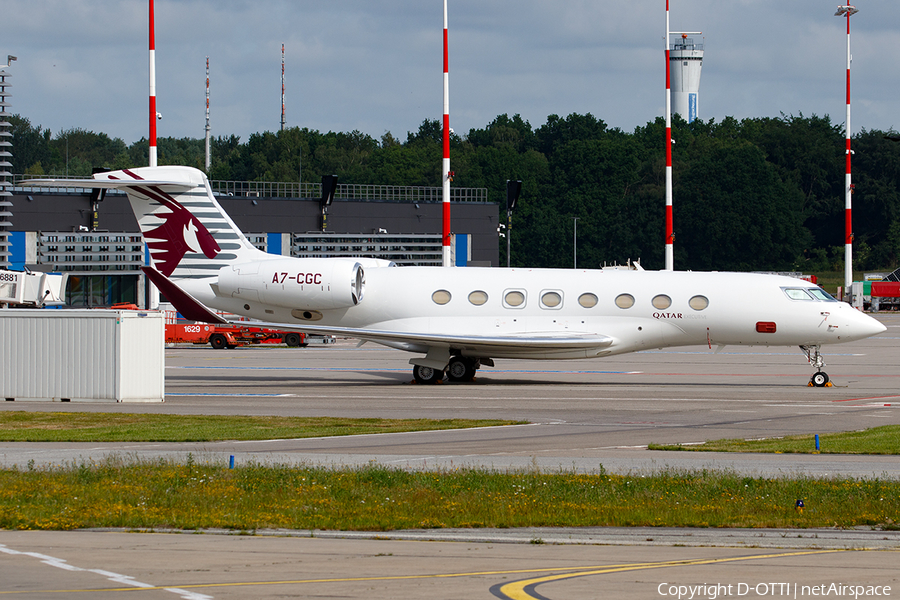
{"x": 183, "y": 302}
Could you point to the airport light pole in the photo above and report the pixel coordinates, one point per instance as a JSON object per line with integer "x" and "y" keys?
{"x": 846, "y": 11}
{"x": 574, "y": 242}
{"x": 513, "y": 190}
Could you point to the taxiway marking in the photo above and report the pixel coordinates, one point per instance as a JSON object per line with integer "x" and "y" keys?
{"x": 525, "y": 589}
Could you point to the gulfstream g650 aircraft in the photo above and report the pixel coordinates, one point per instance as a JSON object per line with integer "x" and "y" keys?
{"x": 459, "y": 319}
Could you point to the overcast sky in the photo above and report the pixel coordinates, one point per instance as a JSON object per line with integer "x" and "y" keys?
{"x": 377, "y": 66}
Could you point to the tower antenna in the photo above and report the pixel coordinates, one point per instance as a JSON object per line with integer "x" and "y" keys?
{"x": 207, "y": 114}
{"x": 282, "y": 87}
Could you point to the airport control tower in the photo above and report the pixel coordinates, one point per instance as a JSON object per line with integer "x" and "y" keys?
{"x": 685, "y": 61}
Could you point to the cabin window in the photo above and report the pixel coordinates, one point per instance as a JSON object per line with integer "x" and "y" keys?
{"x": 478, "y": 297}
{"x": 698, "y": 302}
{"x": 587, "y": 300}
{"x": 624, "y": 300}
{"x": 662, "y": 302}
{"x": 514, "y": 299}
{"x": 551, "y": 299}
{"x": 441, "y": 297}
{"x": 797, "y": 294}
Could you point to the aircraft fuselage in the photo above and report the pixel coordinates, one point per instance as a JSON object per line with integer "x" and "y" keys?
{"x": 636, "y": 309}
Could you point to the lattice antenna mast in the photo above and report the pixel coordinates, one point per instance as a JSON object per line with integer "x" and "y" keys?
{"x": 282, "y": 87}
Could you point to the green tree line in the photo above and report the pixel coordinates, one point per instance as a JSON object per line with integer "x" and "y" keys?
{"x": 752, "y": 194}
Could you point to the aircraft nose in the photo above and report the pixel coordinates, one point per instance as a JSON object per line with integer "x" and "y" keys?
{"x": 863, "y": 326}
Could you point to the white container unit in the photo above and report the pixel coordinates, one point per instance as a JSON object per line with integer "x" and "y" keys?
{"x": 82, "y": 355}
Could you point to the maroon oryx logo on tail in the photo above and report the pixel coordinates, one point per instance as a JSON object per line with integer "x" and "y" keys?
{"x": 180, "y": 232}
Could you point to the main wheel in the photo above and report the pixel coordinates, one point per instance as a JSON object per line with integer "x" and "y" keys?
{"x": 819, "y": 379}
{"x": 292, "y": 339}
{"x": 218, "y": 341}
{"x": 427, "y": 375}
{"x": 461, "y": 369}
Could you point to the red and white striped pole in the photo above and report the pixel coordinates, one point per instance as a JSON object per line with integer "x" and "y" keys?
{"x": 445, "y": 167}
{"x": 152, "y": 291}
{"x": 670, "y": 235}
{"x": 152, "y": 88}
{"x": 848, "y": 184}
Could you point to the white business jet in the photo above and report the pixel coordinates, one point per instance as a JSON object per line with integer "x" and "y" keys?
{"x": 460, "y": 319}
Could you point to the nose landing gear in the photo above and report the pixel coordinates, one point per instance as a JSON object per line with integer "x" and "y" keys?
{"x": 820, "y": 377}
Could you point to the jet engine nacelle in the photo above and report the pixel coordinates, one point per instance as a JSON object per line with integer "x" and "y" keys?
{"x": 303, "y": 284}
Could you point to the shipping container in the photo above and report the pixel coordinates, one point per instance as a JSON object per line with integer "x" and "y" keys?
{"x": 82, "y": 355}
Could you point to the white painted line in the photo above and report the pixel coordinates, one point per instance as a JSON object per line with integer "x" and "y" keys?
{"x": 60, "y": 563}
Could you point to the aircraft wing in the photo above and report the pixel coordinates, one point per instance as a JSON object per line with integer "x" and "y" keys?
{"x": 530, "y": 340}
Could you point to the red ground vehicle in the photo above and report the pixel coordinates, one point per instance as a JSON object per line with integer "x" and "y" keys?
{"x": 222, "y": 336}
{"x": 229, "y": 336}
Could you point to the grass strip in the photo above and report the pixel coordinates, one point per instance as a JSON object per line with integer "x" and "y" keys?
{"x": 162, "y": 494}
{"x": 878, "y": 440}
{"x": 20, "y": 426}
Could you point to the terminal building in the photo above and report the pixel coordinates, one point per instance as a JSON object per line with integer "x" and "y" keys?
{"x": 95, "y": 239}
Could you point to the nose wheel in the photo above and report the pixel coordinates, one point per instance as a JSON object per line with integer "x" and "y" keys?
{"x": 820, "y": 377}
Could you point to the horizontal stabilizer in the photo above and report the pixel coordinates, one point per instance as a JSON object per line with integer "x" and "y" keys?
{"x": 183, "y": 302}
{"x": 106, "y": 184}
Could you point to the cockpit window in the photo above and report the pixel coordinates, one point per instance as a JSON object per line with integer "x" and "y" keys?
{"x": 820, "y": 294}
{"x": 810, "y": 293}
{"x": 797, "y": 294}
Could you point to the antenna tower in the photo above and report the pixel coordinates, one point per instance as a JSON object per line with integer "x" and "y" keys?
{"x": 207, "y": 114}
{"x": 282, "y": 87}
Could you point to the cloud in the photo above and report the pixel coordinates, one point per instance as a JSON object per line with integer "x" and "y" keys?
{"x": 376, "y": 66}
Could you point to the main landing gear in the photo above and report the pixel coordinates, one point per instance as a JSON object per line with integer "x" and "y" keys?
{"x": 460, "y": 369}
{"x": 427, "y": 375}
{"x": 820, "y": 377}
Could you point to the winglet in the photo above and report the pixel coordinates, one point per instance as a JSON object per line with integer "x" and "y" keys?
{"x": 183, "y": 302}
